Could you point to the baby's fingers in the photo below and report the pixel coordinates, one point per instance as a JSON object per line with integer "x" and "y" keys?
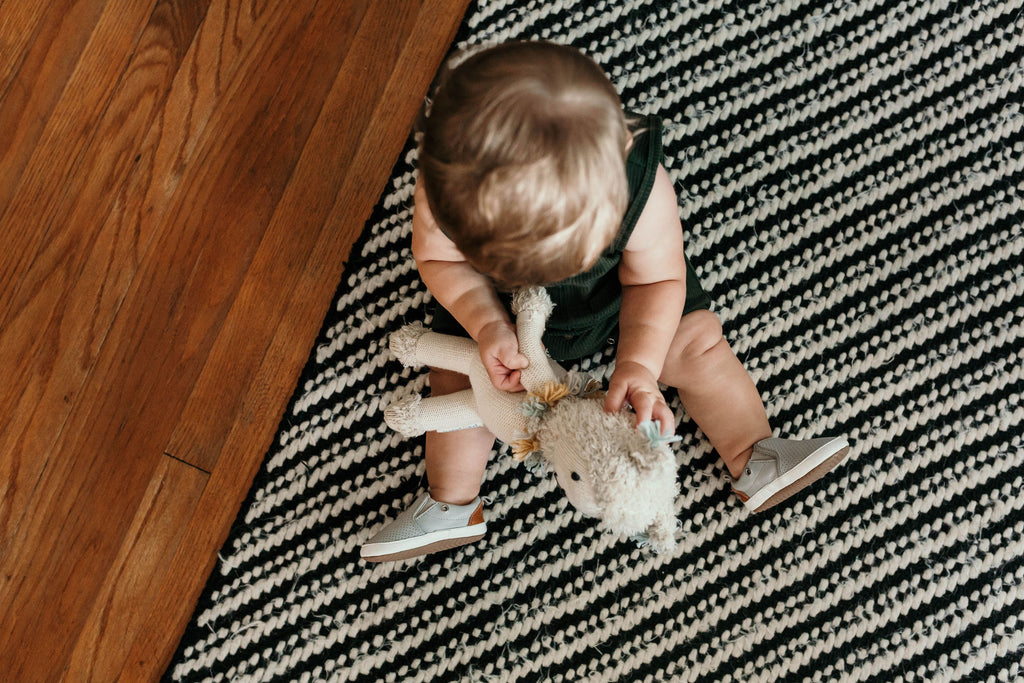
{"x": 504, "y": 378}
{"x": 615, "y": 398}
{"x": 644, "y": 405}
{"x": 515, "y": 361}
{"x": 512, "y": 382}
{"x": 662, "y": 413}
{"x": 651, "y": 406}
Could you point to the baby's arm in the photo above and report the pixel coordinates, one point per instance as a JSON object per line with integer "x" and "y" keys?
{"x": 653, "y": 276}
{"x": 468, "y": 296}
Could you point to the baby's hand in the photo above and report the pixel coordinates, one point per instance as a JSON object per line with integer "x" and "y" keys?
{"x": 499, "y": 351}
{"x": 636, "y": 384}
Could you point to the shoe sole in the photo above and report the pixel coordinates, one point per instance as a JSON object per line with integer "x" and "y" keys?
{"x": 403, "y": 550}
{"x": 817, "y": 465}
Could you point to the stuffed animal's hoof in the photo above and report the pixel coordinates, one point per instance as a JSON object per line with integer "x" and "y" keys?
{"x": 404, "y": 416}
{"x": 532, "y": 300}
{"x": 662, "y": 535}
{"x": 403, "y": 343}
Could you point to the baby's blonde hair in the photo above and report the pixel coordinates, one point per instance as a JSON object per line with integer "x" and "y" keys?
{"x": 522, "y": 158}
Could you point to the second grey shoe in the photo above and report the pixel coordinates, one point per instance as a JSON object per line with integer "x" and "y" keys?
{"x": 778, "y": 468}
{"x": 426, "y": 527}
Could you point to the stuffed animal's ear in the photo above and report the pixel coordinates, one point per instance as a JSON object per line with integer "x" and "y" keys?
{"x": 536, "y": 463}
{"x": 619, "y": 473}
{"x": 647, "y": 459}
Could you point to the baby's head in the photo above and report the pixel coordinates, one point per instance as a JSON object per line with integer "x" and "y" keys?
{"x": 522, "y": 159}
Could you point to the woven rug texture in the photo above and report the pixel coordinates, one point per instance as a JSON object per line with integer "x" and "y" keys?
{"x": 850, "y": 183}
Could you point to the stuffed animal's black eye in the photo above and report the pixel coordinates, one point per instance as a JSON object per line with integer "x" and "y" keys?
{"x": 575, "y": 476}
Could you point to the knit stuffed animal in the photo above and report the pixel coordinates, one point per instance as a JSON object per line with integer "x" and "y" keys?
{"x": 608, "y": 468}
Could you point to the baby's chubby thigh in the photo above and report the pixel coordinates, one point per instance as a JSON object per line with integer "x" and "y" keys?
{"x": 715, "y": 389}
{"x": 697, "y": 345}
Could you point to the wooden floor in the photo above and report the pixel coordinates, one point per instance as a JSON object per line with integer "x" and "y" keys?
{"x": 180, "y": 182}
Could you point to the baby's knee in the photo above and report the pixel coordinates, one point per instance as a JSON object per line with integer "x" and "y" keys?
{"x": 696, "y": 341}
{"x": 699, "y": 332}
{"x": 444, "y": 382}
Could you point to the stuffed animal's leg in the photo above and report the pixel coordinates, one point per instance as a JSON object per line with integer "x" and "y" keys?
{"x": 415, "y": 345}
{"x": 533, "y": 307}
{"x": 414, "y": 415}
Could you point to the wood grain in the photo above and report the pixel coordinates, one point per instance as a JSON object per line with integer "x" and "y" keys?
{"x": 161, "y": 336}
{"x": 178, "y": 199}
{"x": 61, "y": 312}
{"x": 123, "y": 602}
{"x": 42, "y": 43}
{"x": 69, "y": 131}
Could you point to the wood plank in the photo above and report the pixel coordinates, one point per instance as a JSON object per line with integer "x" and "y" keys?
{"x": 67, "y": 297}
{"x": 40, "y": 44}
{"x": 73, "y": 290}
{"x": 98, "y": 204}
{"x": 242, "y": 451}
{"x": 230, "y": 33}
{"x": 123, "y": 601}
{"x": 163, "y": 331}
{"x": 28, "y": 218}
{"x": 226, "y": 381}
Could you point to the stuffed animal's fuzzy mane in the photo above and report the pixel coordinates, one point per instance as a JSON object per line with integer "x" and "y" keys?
{"x": 538, "y": 403}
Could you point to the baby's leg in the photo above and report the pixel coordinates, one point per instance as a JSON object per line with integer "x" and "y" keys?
{"x": 456, "y": 461}
{"x": 715, "y": 389}
{"x": 450, "y": 514}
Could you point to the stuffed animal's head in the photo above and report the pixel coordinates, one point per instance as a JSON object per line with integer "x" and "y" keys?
{"x": 609, "y": 469}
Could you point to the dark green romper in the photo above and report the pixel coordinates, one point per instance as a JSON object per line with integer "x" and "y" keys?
{"x": 586, "y": 314}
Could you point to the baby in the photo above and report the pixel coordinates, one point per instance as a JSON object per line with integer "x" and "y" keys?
{"x": 531, "y": 173}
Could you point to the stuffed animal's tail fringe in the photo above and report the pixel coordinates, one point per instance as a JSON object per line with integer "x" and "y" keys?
{"x": 532, "y": 300}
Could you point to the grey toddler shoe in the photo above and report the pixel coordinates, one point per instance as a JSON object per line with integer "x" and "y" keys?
{"x": 427, "y": 526}
{"x": 778, "y": 468}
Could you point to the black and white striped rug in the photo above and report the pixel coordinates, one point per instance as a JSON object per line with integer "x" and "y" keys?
{"x": 850, "y": 174}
